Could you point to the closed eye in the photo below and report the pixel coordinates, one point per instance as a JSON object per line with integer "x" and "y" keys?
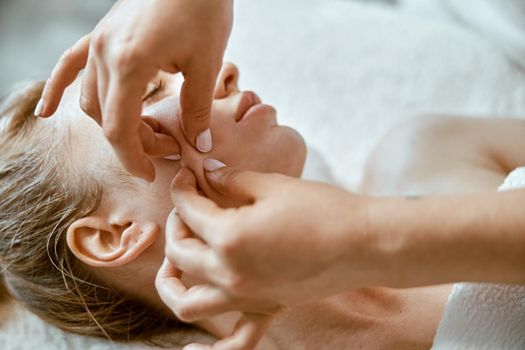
{"x": 154, "y": 91}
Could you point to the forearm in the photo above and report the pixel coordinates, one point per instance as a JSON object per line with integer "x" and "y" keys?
{"x": 434, "y": 240}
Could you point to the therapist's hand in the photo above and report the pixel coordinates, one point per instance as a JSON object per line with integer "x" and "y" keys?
{"x": 123, "y": 54}
{"x": 290, "y": 244}
{"x": 293, "y": 242}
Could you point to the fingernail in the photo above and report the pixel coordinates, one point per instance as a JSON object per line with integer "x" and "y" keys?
{"x": 39, "y": 108}
{"x": 204, "y": 143}
{"x": 173, "y": 157}
{"x": 213, "y": 164}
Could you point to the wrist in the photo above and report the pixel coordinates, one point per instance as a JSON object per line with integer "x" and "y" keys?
{"x": 388, "y": 240}
{"x": 417, "y": 241}
{"x": 360, "y": 246}
{"x": 396, "y": 246}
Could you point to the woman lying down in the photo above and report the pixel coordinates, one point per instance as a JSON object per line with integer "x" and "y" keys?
{"x": 81, "y": 241}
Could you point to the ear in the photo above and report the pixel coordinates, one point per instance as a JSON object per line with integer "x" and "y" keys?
{"x": 97, "y": 242}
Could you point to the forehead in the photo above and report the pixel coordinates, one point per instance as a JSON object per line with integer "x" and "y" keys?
{"x": 86, "y": 137}
{"x": 84, "y": 142}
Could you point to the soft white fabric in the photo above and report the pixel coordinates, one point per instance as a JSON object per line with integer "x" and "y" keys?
{"x": 343, "y": 73}
{"x": 502, "y": 21}
{"x": 485, "y": 316}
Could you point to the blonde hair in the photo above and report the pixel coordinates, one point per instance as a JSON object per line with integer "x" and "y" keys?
{"x": 41, "y": 195}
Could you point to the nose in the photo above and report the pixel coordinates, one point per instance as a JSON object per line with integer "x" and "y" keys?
{"x": 227, "y": 81}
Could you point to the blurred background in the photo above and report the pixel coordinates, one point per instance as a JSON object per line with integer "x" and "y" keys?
{"x": 359, "y": 66}
{"x": 34, "y": 33}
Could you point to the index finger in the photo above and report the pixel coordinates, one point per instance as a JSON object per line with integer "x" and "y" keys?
{"x": 121, "y": 123}
{"x": 65, "y": 72}
{"x": 196, "y": 99}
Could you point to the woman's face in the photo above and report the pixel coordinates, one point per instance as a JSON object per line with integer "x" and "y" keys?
{"x": 245, "y": 135}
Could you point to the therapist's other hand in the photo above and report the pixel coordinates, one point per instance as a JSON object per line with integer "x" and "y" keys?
{"x": 183, "y": 301}
{"x": 123, "y": 54}
{"x": 293, "y": 242}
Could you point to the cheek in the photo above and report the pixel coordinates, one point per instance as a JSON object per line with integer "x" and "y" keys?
{"x": 275, "y": 150}
{"x": 159, "y": 197}
{"x": 290, "y": 152}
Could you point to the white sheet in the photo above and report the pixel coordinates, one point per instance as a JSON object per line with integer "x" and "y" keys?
{"x": 502, "y": 22}
{"x": 343, "y": 73}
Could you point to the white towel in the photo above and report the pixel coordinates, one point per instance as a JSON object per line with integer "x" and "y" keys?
{"x": 354, "y": 70}
{"x": 485, "y": 316}
{"x": 501, "y": 22}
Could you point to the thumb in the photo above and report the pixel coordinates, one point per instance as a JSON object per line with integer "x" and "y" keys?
{"x": 196, "y": 100}
{"x": 247, "y": 185}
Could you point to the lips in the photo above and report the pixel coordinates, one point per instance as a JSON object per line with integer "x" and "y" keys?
{"x": 248, "y": 100}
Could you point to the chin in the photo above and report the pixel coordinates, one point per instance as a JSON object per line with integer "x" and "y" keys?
{"x": 296, "y": 162}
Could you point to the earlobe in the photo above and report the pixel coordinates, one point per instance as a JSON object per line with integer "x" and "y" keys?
{"x": 97, "y": 242}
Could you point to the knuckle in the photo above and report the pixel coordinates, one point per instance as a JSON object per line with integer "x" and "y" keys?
{"x": 184, "y": 313}
{"x": 236, "y": 284}
{"x": 196, "y": 117}
{"x": 123, "y": 58}
{"x": 232, "y": 239}
{"x": 201, "y": 114}
{"x": 126, "y": 59}
{"x": 228, "y": 244}
{"x": 99, "y": 41}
